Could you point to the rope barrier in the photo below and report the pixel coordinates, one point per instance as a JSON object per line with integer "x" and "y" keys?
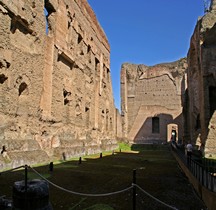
{"x": 88, "y": 194}
{"x": 78, "y": 193}
{"x": 10, "y": 170}
{"x": 154, "y": 197}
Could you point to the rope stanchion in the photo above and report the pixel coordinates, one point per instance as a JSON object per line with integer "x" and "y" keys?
{"x": 10, "y": 170}
{"x": 171, "y": 207}
{"x": 78, "y": 193}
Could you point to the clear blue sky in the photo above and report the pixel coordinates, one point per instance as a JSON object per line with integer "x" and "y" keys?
{"x": 146, "y": 31}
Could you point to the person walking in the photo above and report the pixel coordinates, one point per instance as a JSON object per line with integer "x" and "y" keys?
{"x": 189, "y": 149}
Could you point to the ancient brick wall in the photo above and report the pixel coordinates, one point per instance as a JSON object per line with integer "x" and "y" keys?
{"x": 152, "y": 92}
{"x": 55, "y": 83}
{"x": 202, "y": 82}
{"x": 119, "y": 128}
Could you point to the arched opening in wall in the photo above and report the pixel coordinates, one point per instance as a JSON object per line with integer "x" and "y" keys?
{"x": 3, "y": 78}
{"x": 172, "y": 132}
{"x": 23, "y": 86}
{"x": 212, "y": 100}
{"x": 155, "y": 125}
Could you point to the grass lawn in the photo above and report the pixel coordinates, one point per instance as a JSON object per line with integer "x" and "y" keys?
{"x": 157, "y": 173}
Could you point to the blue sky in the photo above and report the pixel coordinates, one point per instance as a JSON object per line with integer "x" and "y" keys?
{"x": 146, "y": 31}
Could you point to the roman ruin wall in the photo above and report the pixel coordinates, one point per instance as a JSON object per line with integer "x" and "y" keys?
{"x": 55, "y": 83}
{"x": 149, "y": 92}
{"x": 202, "y": 83}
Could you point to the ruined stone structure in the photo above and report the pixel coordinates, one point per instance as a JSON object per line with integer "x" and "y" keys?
{"x": 56, "y": 97}
{"x": 201, "y": 94}
{"x": 177, "y": 98}
{"x": 152, "y": 101}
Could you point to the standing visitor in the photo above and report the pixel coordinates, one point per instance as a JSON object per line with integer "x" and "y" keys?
{"x": 189, "y": 150}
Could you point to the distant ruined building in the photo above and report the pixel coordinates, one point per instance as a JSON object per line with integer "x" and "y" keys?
{"x": 152, "y": 101}
{"x": 56, "y": 96}
{"x": 177, "y": 97}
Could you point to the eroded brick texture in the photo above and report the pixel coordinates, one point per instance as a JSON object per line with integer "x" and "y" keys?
{"x": 152, "y": 101}
{"x": 201, "y": 105}
{"x": 55, "y": 86}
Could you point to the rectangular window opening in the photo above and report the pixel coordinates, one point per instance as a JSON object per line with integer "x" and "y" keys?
{"x": 155, "y": 125}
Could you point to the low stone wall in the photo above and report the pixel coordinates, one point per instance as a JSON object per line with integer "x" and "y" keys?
{"x": 65, "y": 151}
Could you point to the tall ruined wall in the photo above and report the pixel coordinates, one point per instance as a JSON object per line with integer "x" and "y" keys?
{"x": 152, "y": 91}
{"x": 202, "y": 82}
{"x": 119, "y": 130}
{"x": 55, "y": 83}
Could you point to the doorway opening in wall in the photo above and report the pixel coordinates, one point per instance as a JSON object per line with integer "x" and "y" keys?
{"x": 172, "y": 133}
{"x": 212, "y": 101}
{"x": 155, "y": 125}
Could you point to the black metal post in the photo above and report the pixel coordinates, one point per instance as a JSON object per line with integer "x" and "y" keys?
{"x": 51, "y": 167}
{"x": 26, "y": 177}
{"x": 80, "y": 160}
{"x": 134, "y": 189}
{"x": 26, "y": 186}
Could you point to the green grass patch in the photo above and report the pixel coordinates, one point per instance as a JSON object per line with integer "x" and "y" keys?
{"x": 124, "y": 147}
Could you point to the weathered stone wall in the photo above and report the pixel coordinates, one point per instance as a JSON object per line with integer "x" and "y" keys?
{"x": 202, "y": 83}
{"x": 148, "y": 92}
{"x": 55, "y": 84}
{"x": 119, "y": 127}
